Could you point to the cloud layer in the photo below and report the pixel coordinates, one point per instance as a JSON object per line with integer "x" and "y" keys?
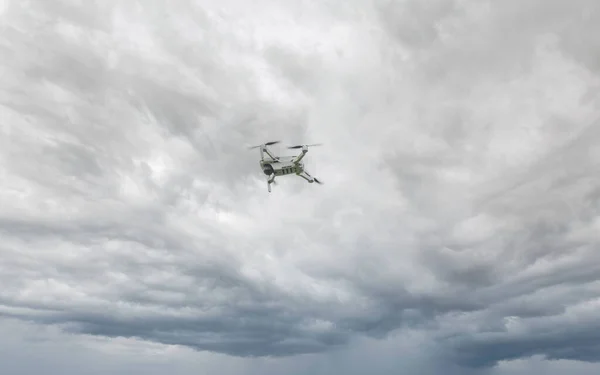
{"x": 460, "y": 163}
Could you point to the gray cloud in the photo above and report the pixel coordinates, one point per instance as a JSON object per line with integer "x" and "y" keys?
{"x": 460, "y": 167}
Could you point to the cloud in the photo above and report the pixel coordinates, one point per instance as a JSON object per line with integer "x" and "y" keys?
{"x": 460, "y": 160}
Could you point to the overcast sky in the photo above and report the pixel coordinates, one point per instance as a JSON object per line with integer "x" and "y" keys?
{"x": 457, "y": 231}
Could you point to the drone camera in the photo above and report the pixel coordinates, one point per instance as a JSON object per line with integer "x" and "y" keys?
{"x": 268, "y": 169}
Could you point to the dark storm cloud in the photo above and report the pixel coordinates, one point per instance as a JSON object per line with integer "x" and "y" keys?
{"x": 582, "y": 346}
{"x": 461, "y": 166}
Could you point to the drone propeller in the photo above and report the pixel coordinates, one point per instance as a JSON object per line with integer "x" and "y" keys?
{"x": 317, "y": 181}
{"x": 266, "y": 144}
{"x": 300, "y": 146}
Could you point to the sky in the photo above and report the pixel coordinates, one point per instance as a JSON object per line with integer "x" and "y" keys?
{"x": 457, "y": 229}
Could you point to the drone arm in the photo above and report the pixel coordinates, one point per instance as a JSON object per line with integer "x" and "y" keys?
{"x": 299, "y": 157}
{"x": 305, "y": 176}
{"x": 264, "y": 149}
{"x": 270, "y": 180}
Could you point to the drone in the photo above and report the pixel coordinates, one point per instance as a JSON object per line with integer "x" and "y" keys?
{"x": 274, "y": 166}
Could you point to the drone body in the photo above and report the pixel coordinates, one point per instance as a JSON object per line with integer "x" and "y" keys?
{"x": 275, "y": 166}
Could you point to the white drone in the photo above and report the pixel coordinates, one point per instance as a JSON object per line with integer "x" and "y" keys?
{"x": 274, "y": 166}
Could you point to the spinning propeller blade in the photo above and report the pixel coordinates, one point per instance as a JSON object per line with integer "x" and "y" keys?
{"x": 317, "y": 181}
{"x": 266, "y": 144}
{"x": 300, "y": 146}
